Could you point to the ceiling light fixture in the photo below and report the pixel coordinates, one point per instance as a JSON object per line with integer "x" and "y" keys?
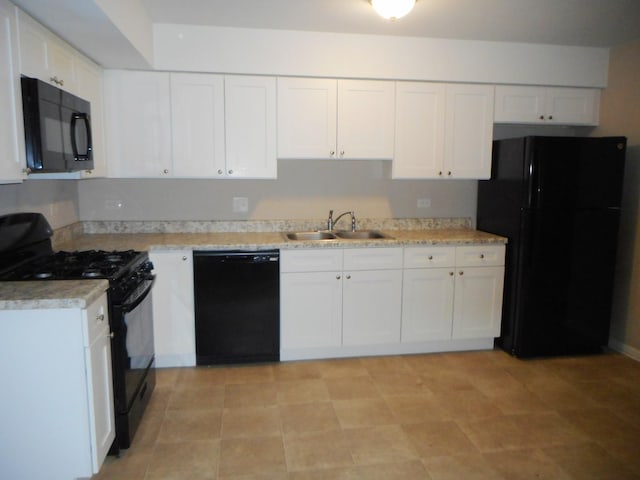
{"x": 392, "y": 9}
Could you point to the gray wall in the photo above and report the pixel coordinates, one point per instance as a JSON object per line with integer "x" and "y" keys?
{"x": 304, "y": 189}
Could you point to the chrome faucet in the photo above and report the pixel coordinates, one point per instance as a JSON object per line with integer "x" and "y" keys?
{"x": 331, "y": 222}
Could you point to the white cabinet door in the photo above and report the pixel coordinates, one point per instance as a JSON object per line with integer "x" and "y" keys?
{"x": 468, "y": 131}
{"x": 137, "y": 106}
{"x": 311, "y": 310}
{"x": 478, "y": 302}
{"x": 366, "y": 118}
{"x": 307, "y": 115}
{"x": 197, "y": 120}
{"x": 12, "y": 159}
{"x": 89, "y": 85}
{"x": 427, "y": 304}
{"x": 547, "y": 105}
{"x": 100, "y": 386}
{"x": 372, "y": 302}
{"x": 44, "y": 56}
{"x": 250, "y": 120}
{"x": 173, "y": 308}
{"x": 419, "y": 136}
{"x": 573, "y": 106}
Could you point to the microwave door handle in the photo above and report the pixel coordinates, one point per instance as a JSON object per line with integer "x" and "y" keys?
{"x": 74, "y": 145}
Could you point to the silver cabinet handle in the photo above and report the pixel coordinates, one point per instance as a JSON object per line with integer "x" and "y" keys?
{"x": 430, "y": 257}
{"x": 165, "y": 171}
{"x": 337, "y": 277}
{"x": 461, "y": 273}
{"x": 439, "y": 174}
{"x": 184, "y": 258}
{"x": 541, "y": 117}
{"x": 230, "y": 172}
{"x": 332, "y": 153}
{"x": 449, "y": 174}
{"x": 220, "y": 172}
{"x": 550, "y": 117}
{"x": 348, "y": 277}
{"x": 56, "y": 80}
{"x": 100, "y": 318}
{"x": 481, "y": 255}
{"x": 111, "y": 335}
{"x": 451, "y": 274}
{"x": 341, "y": 153}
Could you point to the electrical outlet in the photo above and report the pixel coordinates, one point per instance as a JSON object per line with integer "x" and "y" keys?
{"x": 240, "y": 204}
{"x": 424, "y": 202}
{"x": 113, "y": 204}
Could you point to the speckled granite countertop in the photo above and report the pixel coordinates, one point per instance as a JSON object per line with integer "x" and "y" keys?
{"x": 269, "y": 240}
{"x": 50, "y": 294}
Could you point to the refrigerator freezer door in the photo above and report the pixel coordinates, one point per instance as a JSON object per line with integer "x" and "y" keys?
{"x": 572, "y": 172}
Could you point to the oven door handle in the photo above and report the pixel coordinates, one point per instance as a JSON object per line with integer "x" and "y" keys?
{"x": 130, "y": 306}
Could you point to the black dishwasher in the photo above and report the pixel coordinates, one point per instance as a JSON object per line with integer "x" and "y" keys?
{"x": 237, "y": 306}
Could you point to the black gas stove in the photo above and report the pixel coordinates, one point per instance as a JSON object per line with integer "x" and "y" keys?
{"x": 26, "y": 253}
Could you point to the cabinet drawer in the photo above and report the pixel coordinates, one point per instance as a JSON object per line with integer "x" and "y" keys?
{"x": 312, "y": 260}
{"x": 429, "y": 257}
{"x": 372, "y": 258}
{"x": 97, "y": 319}
{"x": 480, "y": 255}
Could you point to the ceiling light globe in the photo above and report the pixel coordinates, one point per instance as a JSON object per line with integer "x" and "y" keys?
{"x": 392, "y": 9}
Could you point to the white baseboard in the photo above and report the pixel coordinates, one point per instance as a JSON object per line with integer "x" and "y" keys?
{"x": 625, "y": 349}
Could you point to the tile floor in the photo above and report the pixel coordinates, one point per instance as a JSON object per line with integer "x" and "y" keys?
{"x": 473, "y": 415}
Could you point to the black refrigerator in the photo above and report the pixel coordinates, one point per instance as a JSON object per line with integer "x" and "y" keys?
{"x": 557, "y": 200}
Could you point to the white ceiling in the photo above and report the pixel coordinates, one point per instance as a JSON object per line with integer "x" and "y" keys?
{"x": 596, "y": 23}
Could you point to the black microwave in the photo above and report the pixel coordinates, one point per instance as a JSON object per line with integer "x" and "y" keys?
{"x": 57, "y": 128}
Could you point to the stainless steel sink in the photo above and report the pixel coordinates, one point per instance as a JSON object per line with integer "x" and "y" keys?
{"x": 310, "y": 236}
{"x": 361, "y": 235}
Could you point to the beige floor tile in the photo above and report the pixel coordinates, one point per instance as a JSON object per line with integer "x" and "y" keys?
{"x": 458, "y": 467}
{"x": 545, "y": 429}
{"x": 466, "y": 405}
{"x": 306, "y": 370}
{"x": 384, "y": 444}
{"x": 250, "y": 395}
{"x": 389, "y": 364}
{"x": 208, "y": 397}
{"x": 438, "y": 438}
{"x": 415, "y": 408}
{"x": 446, "y": 381}
{"x": 342, "y": 473}
{"x": 252, "y": 456}
{"x": 516, "y": 401}
{"x": 308, "y": 417}
{"x": 589, "y": 461}
{"x": 167, "y": 377}
{"x": 159, "y": 400}
{"x": 130, "y": 464}
{"x": 251, "y": 422}
{"x": 349, "y": 367}
{"x": 190, "y": 425}
{"x": 349, "y": 388}
{"x": 412, "y": 470}
{"x": 526, "y": 465}
{"x": 497, "y": 434}
{"x": 201, "y": 377}
{"x": 363, "y": 412}
{"x": 317, "y": 450}
{"x": 400, "y": 383}
{"x": 175, "y": 458}
{"x": 249, "y": 374}
{"x": 302, "y": 391}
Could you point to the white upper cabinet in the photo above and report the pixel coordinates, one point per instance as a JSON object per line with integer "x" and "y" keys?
{"x": 365, "y": 119}
{"x": 328, "y": 118}
{"x": 11, "y": 126}
{"x": 443, "y": 131}
{"x": 138, "y": 115}
{"x": 250, "y": 126}
{"x": 419, "y": 143}
{"x": 197, "y": 121}
{"x": 44, "y": 56}
{"x": 547, "y": 105}
{"x": 468, "y": 131}
{"x": 307, "y": 116}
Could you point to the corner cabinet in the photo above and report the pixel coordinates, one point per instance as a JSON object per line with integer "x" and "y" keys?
{"x": 547, "y": 105}
{"x": 12, "y": 159}
{"x": 335, "y": 119}
{"x": 58, "y": 419}
{"x": 173, "y": 308}
{"x": 443, "y": 131}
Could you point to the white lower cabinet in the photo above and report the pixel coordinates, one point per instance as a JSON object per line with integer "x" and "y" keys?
{"x": 57, "y": 404}
{"x": 389, "y": 300}
{"x": 173, "y": 308}
{"x": 452, "y": 293}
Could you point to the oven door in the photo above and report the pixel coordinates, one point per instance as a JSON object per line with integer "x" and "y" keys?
{"x": 133, "y": 344}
